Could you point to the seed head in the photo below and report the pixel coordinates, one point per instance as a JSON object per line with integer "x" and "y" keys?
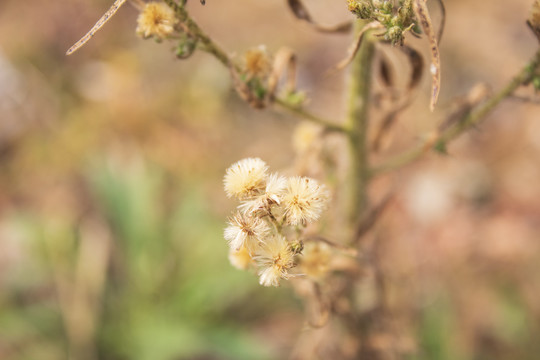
{"x": 245, "y": 178}
{"x": 156, "y": 19}
{"x": 274, "y": 258}
{"x": 304, "y": 200}
{"x": 245, "y": 231}
{"x": 261, "y": 204}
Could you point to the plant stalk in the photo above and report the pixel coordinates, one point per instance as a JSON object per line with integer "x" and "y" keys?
{"x": 357, "y": 125}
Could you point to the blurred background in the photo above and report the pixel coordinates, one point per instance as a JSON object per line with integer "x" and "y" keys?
{"x": 112, "y": 208}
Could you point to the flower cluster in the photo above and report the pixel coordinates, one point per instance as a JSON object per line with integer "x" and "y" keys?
{"x": 259, "y": 232}
{"x": 396, "y": 18}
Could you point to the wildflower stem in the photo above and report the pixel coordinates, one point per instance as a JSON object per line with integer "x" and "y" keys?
{"x": 214, "y": 49}
{"x": 357, "y": 124}
{"x": 209, "y": 45}
{"x": 470, "y": 120}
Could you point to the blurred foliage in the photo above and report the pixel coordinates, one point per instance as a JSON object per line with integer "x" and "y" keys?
{"x": 169, "y": 292}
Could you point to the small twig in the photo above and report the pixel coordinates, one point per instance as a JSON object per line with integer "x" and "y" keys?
{"x": 470, "y": 120}
{"x": 98, "y": 25}
{"x": 370, "y": 219}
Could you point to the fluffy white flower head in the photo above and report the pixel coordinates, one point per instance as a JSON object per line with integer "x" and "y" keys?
{"x": 245, "y": 231}
{"x": 275, "y": 185}
{"x": 245, "y": 178}
{"x": 274, "y": 258}
{"x": 304, "y": 200}
{"x": 156, "y": 19}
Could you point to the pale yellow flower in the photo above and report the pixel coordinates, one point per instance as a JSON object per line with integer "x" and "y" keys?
{"x": 157, "y": 19}
{"x": 274, "y": 258}
{"x": 245, "y": 231}
{"x": 245, "y": 178}
{"x": 304, "y": 200}
{"x": 240, "y": 259}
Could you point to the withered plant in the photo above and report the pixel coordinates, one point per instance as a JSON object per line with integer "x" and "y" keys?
{"x": 274, "y": 231}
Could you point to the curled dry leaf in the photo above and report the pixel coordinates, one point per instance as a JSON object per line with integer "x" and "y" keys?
{"x": 301, "y": 13}
{"x": 284, "y": 60}
{"x": 405, "y": 99}
{"x": 353, "y": 49}
{"x": 421, "y": 10}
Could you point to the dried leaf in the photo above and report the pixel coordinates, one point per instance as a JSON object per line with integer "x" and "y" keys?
{"x": 284, "y": 60}
{"x": 422, "y": 13}
{"x": 417, "y": 66}
{"x": 102, "y": 21}
{"x": 353, "y": 49}
{"x": 443, "y": 21}
{"x": 387, "y": 75}
{"x": 301, "y": 13}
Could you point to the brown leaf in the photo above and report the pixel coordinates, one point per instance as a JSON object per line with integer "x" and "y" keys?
{"x": 102, "y": 21}
{"x": 284, "y": 60}
{"x": 353, "y": 49}
{"x": 300, "y": 11}
{"x": 417, "y": 65}
{"x": 422, "y": 13}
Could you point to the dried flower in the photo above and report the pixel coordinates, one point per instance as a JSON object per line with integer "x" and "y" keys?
{"x": 275, "y": 185}
{"x": 315, "y": 259}
{"x": 156, "y": 19}
{"x": 303, "y": 200}
{"x": 245, "y": 231}
{"x": 257, "y": 62}
{"x": 274, "y": 258}
{"x": 246, "y": 178}
{"x": 240, "y": 259}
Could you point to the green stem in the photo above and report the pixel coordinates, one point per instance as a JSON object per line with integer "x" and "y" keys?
{"x": 357, "y": 125}
{"x": 469, "y": 121}
{"x": 210, "y": 46}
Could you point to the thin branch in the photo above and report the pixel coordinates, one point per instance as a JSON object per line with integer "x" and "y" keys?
{"x": 329, "y": 126}
{"x": 469, "y": 121}
{"x": 214, "y": 49}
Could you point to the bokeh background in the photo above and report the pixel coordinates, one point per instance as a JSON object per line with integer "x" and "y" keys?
{"x": 112, "y": 209}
